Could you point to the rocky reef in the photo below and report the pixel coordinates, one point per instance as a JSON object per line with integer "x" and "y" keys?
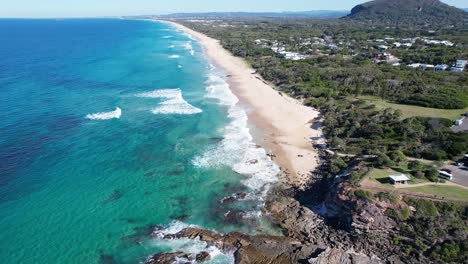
{"x": 309, "y": 237}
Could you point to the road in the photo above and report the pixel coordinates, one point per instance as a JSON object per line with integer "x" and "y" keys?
{"x": 461, "y": 128}
{"x": 460, "y": 174}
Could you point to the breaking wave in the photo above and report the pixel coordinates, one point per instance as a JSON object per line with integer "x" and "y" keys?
{"x": 174, "y": 103}
{"x": 188, "y": 46}
{"x": 105, "y": 115}
{"x": 190, "y": 246}
{"x": 237, "y": 149}
{"x": 174, "y": 56}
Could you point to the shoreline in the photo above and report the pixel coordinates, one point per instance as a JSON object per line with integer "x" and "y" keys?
{"x": 284, "y": 123}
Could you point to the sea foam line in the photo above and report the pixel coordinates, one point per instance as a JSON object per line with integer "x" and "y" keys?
{"x": 237, "y": 149}
{"x": 174, "y": 102}
{"x": 105, "y": 115}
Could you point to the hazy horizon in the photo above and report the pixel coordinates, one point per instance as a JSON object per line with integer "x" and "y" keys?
{"x": 106, "y": 8}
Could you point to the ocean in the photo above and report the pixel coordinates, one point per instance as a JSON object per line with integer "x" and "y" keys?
{"x": 111, "y": 128}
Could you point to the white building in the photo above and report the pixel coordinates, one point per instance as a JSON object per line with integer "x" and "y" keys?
{"x": 399, "y": 179}
{"x": 414, "y": 65}
{"x": 383, "y": 47}
{"x": 461, "y": 63}
{"x": 441, "y": 67}
{"x": 426, "y": 66}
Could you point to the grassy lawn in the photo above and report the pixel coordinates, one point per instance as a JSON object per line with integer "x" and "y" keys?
{"x": 411, "y": 110}
{"x": 381, "y": 175}
{"x": 442, "y": 191}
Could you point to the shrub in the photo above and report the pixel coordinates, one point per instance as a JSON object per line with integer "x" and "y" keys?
{"x": 405, "y": 213}
{"x": 362, "y": 194}
{"x": 431, "y": 174}
{"x": 425, "y": 209}
{"x": 415, "y": 165}
{"x": 387, "y": 197}
{"x": 447, "y": 252}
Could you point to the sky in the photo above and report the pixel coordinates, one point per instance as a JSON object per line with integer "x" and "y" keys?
{"x": 90, "y": 8}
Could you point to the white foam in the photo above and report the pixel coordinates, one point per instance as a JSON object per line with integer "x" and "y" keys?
{"x": 173, "y": 56}
{"x": 190, "y": 246}
{"x": 167, "y": 37}
{"x": 237, "y": 149}
{"x": 174, "y": 102}
{"x": 188, "y": 46}
{"x": 171, "y": 46}
{"x": 105, "y": 115}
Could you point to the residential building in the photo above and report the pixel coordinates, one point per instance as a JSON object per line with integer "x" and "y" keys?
{"x": 441, "y": 67}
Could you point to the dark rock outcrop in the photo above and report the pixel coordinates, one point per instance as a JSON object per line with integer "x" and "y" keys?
{"x": 234, "y": 197}
{"x": 168, "y": 258}
{"x": 202, "y": 256}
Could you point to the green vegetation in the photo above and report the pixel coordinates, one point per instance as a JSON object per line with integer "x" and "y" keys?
{"x": 407, "y": 12}
{"x": 451, "y": 252}
{"x": 387, "y": 197}
{"x": 382, "y": 114}
{"x": 362, "y": 194}
{"x": 442, "y": 191}
{"x": 415, "y": 111}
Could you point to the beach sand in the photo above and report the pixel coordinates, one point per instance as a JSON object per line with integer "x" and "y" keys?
{"x": 285, "y": 124}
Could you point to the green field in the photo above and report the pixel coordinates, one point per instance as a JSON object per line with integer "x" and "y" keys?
{"x": 442, "y": 191}
{"x": 381, "y": 175}
{"x": 411, "y": 110}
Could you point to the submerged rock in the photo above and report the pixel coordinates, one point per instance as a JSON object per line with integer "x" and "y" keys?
{"x": 234, "y": 197}
{"x": 116, "y": 195}
{"x": 234, "y": 217}
{"x": 202, "y": 256}
{"x": 169, "y": 258}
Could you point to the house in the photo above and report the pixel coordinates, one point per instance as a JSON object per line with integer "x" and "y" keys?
{"x": 414, "y": 65}
{"x": 399, "y": 179}
{"x": 441, "y": 67}
{"x": 461, "y": 63}
{"x": 426, "y": 66}
{"x": 397, "y": 44}
{"x": 408, "y": 45}
{"x": 455, "y": 69}
{"x": 383, "y": 47}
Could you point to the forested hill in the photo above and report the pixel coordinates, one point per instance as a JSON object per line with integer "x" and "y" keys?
{"x": 409, "y": 12}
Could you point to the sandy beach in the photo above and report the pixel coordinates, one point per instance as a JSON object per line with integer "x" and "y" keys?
{"x": 285, "y": 124}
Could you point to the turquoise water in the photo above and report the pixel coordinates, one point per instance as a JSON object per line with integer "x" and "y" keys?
{"x": 110, "y": 127}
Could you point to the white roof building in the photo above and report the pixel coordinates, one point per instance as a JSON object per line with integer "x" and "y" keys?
{"x": 414, "y": 65}
{"x": 399, "y": 178}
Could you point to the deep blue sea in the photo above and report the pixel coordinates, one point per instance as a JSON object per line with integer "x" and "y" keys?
{"x": 111, "y": 127}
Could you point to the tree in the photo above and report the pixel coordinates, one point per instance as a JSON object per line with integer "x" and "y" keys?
{"x": 415, "y": 165}
{"x": 431, "y": 174}
{"x": 398, "y": 156}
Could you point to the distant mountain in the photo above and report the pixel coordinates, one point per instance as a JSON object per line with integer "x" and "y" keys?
{"x": 320, "y": 14}
{"x": 408, "y": 11}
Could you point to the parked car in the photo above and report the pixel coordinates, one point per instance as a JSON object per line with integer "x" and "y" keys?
{"x": 446, "y": 170}
{"x": 445, "y": 175}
